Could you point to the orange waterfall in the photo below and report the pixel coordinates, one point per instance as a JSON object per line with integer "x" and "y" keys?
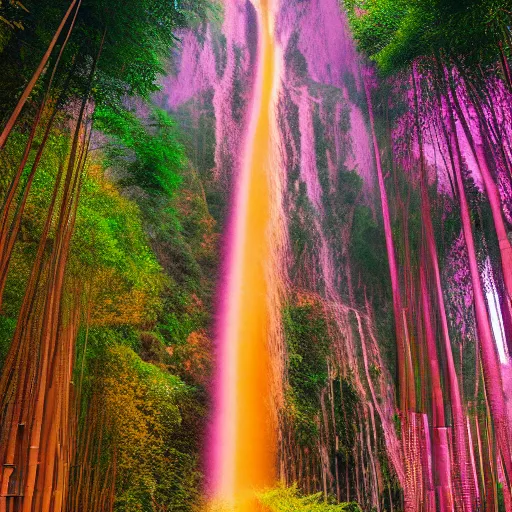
{"x": 246, "y": 436}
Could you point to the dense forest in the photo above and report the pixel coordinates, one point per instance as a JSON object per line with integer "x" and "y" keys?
{"x": 255, "y": 255}
{"x": 107, "y": 249}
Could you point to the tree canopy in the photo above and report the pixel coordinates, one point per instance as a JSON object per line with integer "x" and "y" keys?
{"x": 395, "y": 32}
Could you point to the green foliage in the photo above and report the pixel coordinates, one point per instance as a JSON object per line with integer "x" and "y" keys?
{"x": 152, "y": 420}
{"x": 397, "y": 423}
{"x": 307, "y": 343}
{"x": 135, "y": 37}
{"x": 35, "y": 211}
{"x": 375, "y": 22}
{"x": 110, "y": 248}
{"x": 157, "y": 156}
{"x": 196, "y": 11}
{"x": 7, "y": 326}
{"x": 109, "y": 254}
{"x": 395, "y": 32}
{"x": 368, "y": 252}
{"x": 143, "y": 405}
{"x": 288, "y": 499}
{"x": 142, "y": 256}
{"x": 9, "y": 14}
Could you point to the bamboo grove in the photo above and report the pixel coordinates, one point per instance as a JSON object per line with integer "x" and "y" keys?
{"x": 122, "y": 136}
{"x": 73, "y": 63}
{"x": 453, "y": 60}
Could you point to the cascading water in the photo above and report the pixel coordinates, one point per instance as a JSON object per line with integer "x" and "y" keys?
{"x": 244, "y": 439}
{"x": 283, "y": 84}
{"x": 362, "y": 327}
{"x": 288, "y": 104}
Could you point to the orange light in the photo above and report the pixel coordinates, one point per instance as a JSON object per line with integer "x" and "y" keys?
{"x": 248, "y": 453}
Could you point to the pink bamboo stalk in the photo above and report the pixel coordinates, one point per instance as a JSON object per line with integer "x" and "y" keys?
{"x": 493, "y": 194}
{"x": 473, "y": 461}
{"x": 407, "y": 392}
{"x": 453, "y": 381}
{"x": 490, "y": 362}
{"x": 442, "y": 461}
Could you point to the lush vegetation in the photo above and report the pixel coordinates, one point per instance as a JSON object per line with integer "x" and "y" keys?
{"x": 307, "y": 343}
{"x": 395, "y": 32}
{"x": 289, "y": 499}
{"x": 107, "y": 262}
{"x": 447, "y": 80}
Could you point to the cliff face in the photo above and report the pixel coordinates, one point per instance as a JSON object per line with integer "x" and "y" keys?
{"x": 359, "y": 418}
{"x": 336, "y": 410}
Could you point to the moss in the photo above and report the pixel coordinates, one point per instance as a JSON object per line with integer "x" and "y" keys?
{"x": 307, "y": 343}
{"x": 7, "y": 326}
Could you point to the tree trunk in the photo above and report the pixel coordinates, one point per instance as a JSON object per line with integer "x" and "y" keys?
{"x": 30, "y": 86}
{"x": 490, "y": 362}
{"x": 406, "y": 392}
{"x": 493, "y": 194}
